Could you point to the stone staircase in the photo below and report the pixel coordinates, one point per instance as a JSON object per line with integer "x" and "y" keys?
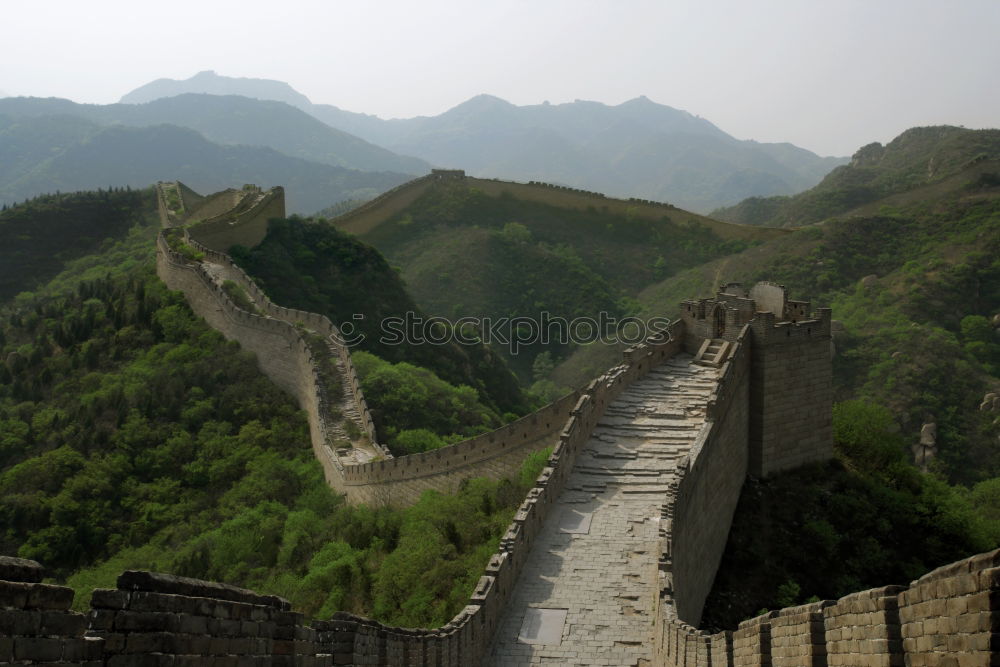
{"x": 712, "y": 352}
{"x": 588, "y": 590}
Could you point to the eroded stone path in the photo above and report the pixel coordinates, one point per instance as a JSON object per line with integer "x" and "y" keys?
{"x": 587, "y": 593}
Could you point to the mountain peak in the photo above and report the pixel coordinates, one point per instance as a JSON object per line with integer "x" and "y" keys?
{"x": 211, "y": 83}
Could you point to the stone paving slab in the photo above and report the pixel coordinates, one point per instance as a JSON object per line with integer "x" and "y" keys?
{"x": 605, "y": 579}
{"x": 542, "y": 626}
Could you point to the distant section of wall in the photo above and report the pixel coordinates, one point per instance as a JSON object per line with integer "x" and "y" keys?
{"x": 281, "y": 352}
{"x": 364, "y": 218}
{"x": 191, "y": 199}
{"x": 284, "y": 357}
{"x": 244, "y": 224}
{"x": 496, "y": 454}
{"x": 214, "y": 205}
{"x": 581, "y": 199}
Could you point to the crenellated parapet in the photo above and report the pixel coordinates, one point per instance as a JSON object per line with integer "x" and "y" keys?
{"x": 369, "y": 215}
{"x": 791, "y": 372}
{"x": 947, "y": 616}
{"x": 222, "y": 219}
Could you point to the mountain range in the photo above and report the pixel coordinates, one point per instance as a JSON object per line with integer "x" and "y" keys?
{"x": 635, "y": 149}
{"x": 64, "y": 152}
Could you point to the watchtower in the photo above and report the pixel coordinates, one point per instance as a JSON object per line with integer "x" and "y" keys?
{"x": 791, "y": 375}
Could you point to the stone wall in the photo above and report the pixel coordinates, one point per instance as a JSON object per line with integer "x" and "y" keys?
{"x": 496, "y": 454}
{"x": 243, "y": 224}
{"x": 791, "y": 393}
{"x": 282, "y": 354}
{"x": 367, "y": 216}
{"x": 321, "y": 324}
{"x": 581, "y": 199}
{"x": 950, "y": 616}
{"x": 863, "y": 629}
{"x": 284, "y": 357}
{"x": 953, "y": 611}
{"x": 706, "y": 491}
{"x": 214, "y": 204}
{"x": 36, "y": 624}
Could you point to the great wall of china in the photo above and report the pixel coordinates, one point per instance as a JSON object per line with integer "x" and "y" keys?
{"x": 609, "y": 559}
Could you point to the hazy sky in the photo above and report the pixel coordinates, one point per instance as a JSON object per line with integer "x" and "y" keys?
{"x": 827, "y": 75}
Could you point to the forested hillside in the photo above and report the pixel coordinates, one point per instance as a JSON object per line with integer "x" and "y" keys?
{"x": 40, "y": 236}
{"x": 416, "y": 388}
{"x": 463, "y": 253}
{"x": 133, "y": 436}
{"x": 908, "y": 167}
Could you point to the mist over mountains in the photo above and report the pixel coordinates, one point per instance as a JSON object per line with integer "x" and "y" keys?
{"x": 635, "y": 149}
{"x": 63, "y": 152}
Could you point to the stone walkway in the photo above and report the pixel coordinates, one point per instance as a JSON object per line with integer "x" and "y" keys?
{"x": 587, "y": 593}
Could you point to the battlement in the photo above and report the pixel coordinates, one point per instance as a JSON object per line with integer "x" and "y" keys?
{"x": 223, "y": 219}
{"x": 791, "y": 380}
{"x": 369, "y": 215}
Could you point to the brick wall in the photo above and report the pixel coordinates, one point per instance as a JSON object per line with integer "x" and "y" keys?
{"x": 950, "y": 616}
{"x": 36, "y": 624}
{"x": 704, "y": 497}
{"x": 863, "y": 629}
{"x": 791, "y": 393}
{"x": 244, "y": 224}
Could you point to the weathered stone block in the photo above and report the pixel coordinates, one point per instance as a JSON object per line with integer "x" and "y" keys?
{"x": 19, "y": 622}
{"x": 38, "y": 649}
{"x": 106, "y": 598}
{"x": 45, "y": 596}
{"x": 62, "y": 624}
{"x": 20, "y": 569}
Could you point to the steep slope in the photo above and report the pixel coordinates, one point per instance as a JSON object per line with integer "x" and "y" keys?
{"x": 916, "y": 285}
{"x": 132, "y": 436}
{"x": 39, "y": 237}
{"x": 317, "y": 268}
{"x": 489, "y": 250}
{"x": 51, "y": 153}
{"x": 915, "y": 159}
{"x": 234, "y": 120}
{"x": 635, "y": 149}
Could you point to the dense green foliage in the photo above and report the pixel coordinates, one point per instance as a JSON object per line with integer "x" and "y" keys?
{"x": 415, "y": 410}
{"x": 463, "y": 253}
{"x": 867, "y": 519}
{"x": 315, "y": 267}
{"x": 38, "y": 237}
{"x": 917, "y": 158}
{"x": 133, "y": 436}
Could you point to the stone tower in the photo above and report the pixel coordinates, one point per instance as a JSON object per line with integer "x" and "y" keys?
{"x": 791, "y": 374}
